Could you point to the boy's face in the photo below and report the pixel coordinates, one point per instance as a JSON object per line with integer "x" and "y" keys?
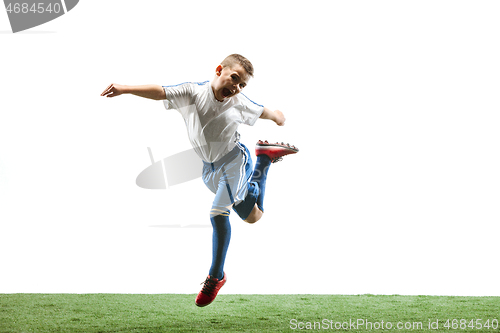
{"x": 229, "y": 81}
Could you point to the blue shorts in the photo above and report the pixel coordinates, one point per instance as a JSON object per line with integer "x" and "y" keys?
{"x": 229, "y": 178}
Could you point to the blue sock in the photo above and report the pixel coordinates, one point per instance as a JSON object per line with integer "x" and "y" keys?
{"x": 260, "y": 177}
{"x": 220, "y": 242}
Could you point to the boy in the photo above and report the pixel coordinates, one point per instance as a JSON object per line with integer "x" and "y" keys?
{"x": 212, "y": 112}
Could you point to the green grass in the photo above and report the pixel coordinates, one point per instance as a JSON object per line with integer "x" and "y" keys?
{"x": 238, "y": 313}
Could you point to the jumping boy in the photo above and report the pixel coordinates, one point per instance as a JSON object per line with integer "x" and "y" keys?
{"x": 212, "y": 112}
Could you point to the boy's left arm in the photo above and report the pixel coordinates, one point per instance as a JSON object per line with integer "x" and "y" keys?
{"x": 276, "y": 116}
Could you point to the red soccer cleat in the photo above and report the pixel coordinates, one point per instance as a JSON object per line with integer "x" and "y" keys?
{"x": 275, "y": 151}
{"x": 209, "y": 291}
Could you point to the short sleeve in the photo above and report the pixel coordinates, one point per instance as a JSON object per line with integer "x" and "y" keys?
{"x": 250, "y": 110}
{"x": 178, "y": 96}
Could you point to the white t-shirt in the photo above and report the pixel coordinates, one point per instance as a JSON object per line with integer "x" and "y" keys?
{"x": 211, "y": 125}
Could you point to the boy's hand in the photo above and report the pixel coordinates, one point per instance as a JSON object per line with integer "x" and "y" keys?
{"x": 279, "y": 118}
{"x": 113, "y": 90}
{"x": 151, "y": 91}
{"x": 276, "y": 116}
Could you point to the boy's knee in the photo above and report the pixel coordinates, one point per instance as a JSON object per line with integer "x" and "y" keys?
{"x": 218, "y": 213}
{"x": 255, "y": 215}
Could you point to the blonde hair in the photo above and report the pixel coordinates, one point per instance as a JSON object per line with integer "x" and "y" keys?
{"x": 238, "y": 59}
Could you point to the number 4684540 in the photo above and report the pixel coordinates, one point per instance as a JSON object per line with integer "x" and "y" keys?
{"x": 36, "y": 8}
{"x": 472, "y": 324}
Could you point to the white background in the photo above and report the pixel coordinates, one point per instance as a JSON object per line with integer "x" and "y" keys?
{"x": 393, "y": 104}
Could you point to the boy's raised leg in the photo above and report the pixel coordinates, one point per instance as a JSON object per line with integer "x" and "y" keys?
{"x": 260, "y": 177}
{"x": 268, "y": 153}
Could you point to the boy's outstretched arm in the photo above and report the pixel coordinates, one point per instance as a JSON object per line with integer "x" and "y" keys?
{"x": 151, "y": 91}
{"x": 276, "y": 116}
